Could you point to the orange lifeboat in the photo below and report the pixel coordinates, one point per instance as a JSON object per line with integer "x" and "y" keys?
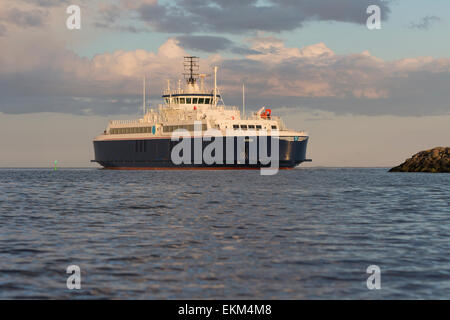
{"x": 266, "y": 114}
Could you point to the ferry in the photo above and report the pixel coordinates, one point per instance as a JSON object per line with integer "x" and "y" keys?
{"x": 149, "y": 143}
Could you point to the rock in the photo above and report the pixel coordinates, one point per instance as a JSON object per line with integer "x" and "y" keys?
{"x": 434, "y": 161}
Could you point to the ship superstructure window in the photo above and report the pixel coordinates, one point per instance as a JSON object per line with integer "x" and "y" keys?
{"x": 235, "y": 126}
{"x": 188, "y": 100}
{"x": 274, "y": 127}
{"x": 243, "y": 126}
{"x": 251, "y": 127}
{"x": 258, "y": 127}
{"x": 188, "y": 127}
{"x": 131, "y": 130}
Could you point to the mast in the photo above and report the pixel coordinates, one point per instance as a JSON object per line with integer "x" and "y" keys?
{"x": 202, "y": 82}
{"x": 191, "y": 68}
{"x": 215, "y": 86}
{"x": 243, "y": 100}
{"x": 169, "y": 92}
{"x": 143, "y": 97}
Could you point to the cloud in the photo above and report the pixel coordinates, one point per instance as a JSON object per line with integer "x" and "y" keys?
{"x": 2, "y": 30}
{"x": 187, "y": 16}
{"x": 38, "y": 78}
{"x": 31, "y": 14}
{"x": 109, "y": 13}
{"x": 134, "y": 4}
{"x": 47, "y": 3}
{"x": 24, "y": 18}
{"x": 425, "y": 23}
{"x": 234, "y": 17}
{"x": 212, "y": 44}
{"x": 311, "y": 77}
{"x": 237, "y": 17}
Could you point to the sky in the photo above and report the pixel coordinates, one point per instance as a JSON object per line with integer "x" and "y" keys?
{"x": 368, "y": 98}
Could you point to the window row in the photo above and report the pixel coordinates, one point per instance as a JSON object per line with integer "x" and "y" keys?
{"x": 189, "y": 100}
{"x": 250, "y": 127}
{"x": 188, "y": 127}
{"x": 132, "y": 130}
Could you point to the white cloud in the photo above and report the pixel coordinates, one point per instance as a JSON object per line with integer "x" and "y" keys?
{"x": 36, "y": 66}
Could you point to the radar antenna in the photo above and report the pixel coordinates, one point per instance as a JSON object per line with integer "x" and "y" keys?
{"x": 191, "y": 68}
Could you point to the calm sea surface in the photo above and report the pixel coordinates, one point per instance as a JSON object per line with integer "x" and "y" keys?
{"x": 302, "y": 234}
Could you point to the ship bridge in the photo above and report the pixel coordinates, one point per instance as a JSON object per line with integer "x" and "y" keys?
{"x": 194, "y": 95}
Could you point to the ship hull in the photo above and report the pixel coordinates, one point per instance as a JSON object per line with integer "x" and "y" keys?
{"x": 155, "y": 154}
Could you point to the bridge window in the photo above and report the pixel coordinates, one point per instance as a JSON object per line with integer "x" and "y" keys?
{"x": 235, "y": 126}
{"x": 182, "y": 100}
{"x": 274, "y": 127}
{"x": 258, "y": 127}
{"x": 243, "y": 126}
{"x": 207, "y": 101}
{"x": 188, "y": 100}
{"x": 201, "y": 100}
{"x": 195, "y": 100}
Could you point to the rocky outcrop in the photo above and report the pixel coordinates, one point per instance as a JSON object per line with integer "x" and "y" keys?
{"x": 434, "y": 160}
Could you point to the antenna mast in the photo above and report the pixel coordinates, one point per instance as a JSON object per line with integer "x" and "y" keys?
{"x": 143, "y": 97}
{"x": 243, "y": 100}
{"x": 191, "y": 68}
{"x": 202, "y": 82}
{"x": 169, "y": 92}
{"x": 215, "y": 86}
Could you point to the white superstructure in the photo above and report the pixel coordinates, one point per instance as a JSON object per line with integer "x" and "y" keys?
{"x": 195, "y": 103}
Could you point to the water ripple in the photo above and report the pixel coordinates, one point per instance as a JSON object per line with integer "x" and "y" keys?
{"x": 308, "y": 233}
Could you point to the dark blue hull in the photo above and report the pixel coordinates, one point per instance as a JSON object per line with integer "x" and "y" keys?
{"x": 156, "y": 154}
